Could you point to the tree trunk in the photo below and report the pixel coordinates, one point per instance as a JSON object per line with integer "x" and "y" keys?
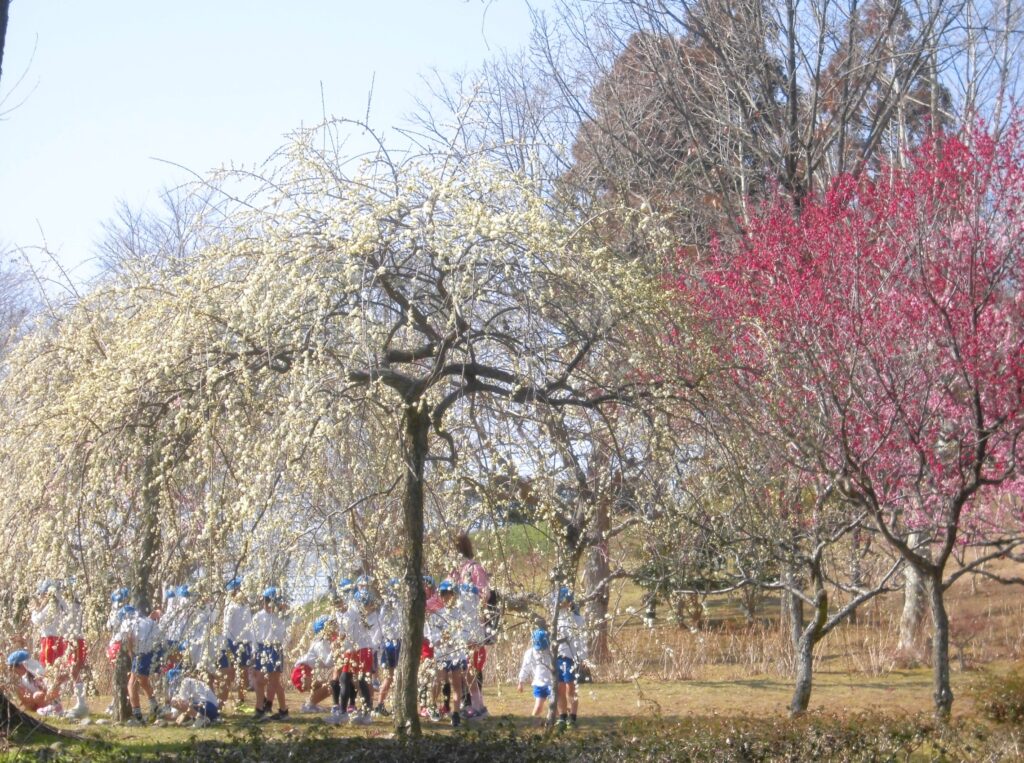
{"x": 942, "y": 691}
{"x": 792, "y": 610}
{"x": 122, "y": 666}
{"x": 150, "y": 531}
{"x": 596, "y": 577}
{"x": 914, "y": 605}
{"x": 417, "y": 429}
{"x": 804, "y": 674}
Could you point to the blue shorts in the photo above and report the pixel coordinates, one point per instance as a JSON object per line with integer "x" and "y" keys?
{"x": 451, "y": 665}
{"x": 566, "y": 670}
{"x": 541, "y": 692}
{"x": 142, "y": 664}
{"x": 389, "y": 654}
{"x": 235, "y": 655}
{"x": 268, "y": 658}
{"x": 209, "y": 709}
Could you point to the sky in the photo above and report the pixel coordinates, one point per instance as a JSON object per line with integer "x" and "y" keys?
{"x": 116, "y": 99}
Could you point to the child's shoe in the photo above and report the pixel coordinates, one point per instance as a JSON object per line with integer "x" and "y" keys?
{"x": 308, "y": 707}
{"x": 336, "y": 716}
{"x": 200, "y": 722}
{"x": 361, "y": 719}
{"x": 53, "y": 710}
{"x": 381, "y": 712}
{"x": 280, "y": 715}
{"x": 433, "y": 715}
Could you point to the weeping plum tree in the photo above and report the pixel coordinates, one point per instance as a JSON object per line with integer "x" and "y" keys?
{"x": 884, "y": 322}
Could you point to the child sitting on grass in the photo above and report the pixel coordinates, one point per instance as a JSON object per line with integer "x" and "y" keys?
{"x": 537, "y": 668}
{"x": 193, "y": 699}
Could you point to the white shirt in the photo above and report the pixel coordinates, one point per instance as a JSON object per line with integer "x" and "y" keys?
{"x": 319, "y": 654}
{"x": 51, "y": 618}
{"x": 194, "y": 691}
{"x": 392, "y": 621}
{"x": 446, "y": 629}
{"x": 140, "y": 634}
{"x": 360, "y": 629}
{"x": 572, "y": 636}
{"x": 237, "y": 618}
{"x": 473, "y": 627}
{"x": 269, "y": 628}
{"x": 536, "y": 668}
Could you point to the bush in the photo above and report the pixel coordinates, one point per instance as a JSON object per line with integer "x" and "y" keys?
{"x": 1000, "y": 698}
{"x": 731, "y": 740}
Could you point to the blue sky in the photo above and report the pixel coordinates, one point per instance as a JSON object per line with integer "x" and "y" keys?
{"x": 112, "y": 86}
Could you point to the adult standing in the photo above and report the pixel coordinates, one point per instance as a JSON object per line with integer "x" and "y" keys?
{"x": 472, "y": 574}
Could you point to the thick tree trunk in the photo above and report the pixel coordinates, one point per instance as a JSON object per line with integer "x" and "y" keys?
{"x": 122, "y": 707}
{"x": 417, "y": 429}
{"x": 804, "y": 674}
{"x": 914, "y": 605}
{"x": 150, "y": 540}
{"x": 942, "y": 691}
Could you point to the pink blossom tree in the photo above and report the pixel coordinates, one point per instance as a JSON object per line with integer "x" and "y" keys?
{"x": 878, "y": 331}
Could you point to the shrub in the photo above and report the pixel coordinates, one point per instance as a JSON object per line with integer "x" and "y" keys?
{"x": 1001, "y": 697}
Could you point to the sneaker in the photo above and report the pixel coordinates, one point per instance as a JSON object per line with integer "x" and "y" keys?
{"x": 560, "y": 726}
{"x": 257, "y": 715}
{"x": 456, "y": 720}
{"x": 481, "y": 713}
{"x": 336, "y": 717}
{"x": 424, "y": 712}
{"x": 571, "y": 724}
{"x": 382, "y": 712}
{"x": 468, "y": 713}
{"x": 51, "y": 711}
{"x": 280, "y": 715}
{"x": 310, "y": 708}
{"x": 433, "y": 715}
{"x": 201, "y": 722}
{"x": 134, "y": 721}
{"x": 361, "y": 719}
{"x": 80, "y": 710}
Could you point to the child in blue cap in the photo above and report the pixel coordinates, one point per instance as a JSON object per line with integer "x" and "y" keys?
{"x": 536, "y": 669}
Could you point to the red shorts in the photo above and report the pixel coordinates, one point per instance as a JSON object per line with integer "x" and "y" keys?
{"x": 358, "y": 661}
{"x": 427, "y": 651}
{"x": 479, "y": 658}
{"x": 51, "y": 649}
{"x": 77, "y": 654}
{"x": 112, "y": 650}
{"x": 299, "y": 676}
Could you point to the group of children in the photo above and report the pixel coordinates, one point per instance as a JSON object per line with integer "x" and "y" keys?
{"x": 197, "y": 659}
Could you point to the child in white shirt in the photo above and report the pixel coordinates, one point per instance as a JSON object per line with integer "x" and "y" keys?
{"x": 270, "y": 629}
{"x": 309, "y": 670}
{"x": 192, "y": 698}
{"x": 536, "y": 668}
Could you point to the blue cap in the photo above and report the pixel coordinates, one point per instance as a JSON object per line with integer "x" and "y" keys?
{"x": 183, "y": 590}
{"x": 170, "y": 593}
{"x": 564, "y": 594}
{"x": 126, "y": 611}
{"x": 173, "y": 675}
{"x": 540, "y": 639}
{"x": 446, "y": 587}
{"x": 17, "y": 658}
{"x": 345, "y": 584}
{"x": 233, "y": 585}
{"x": 363, "y": 596}
{"x": 429, "y": 580}
{"x": 120, "y": 595}
{"x": 272, "y": 593}
{"x": 394, "y": 583}
{"x": 469, "y": 588}
{"x": 46, "y": 585}
{"x": 320, "y": 623}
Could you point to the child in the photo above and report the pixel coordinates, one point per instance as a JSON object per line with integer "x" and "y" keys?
{"x": 447, "y": 636}
{"x": 359, "y": 632}
{"x": 236, "y": 656}
{"x": 31, "y": 687}
{"x": 469, "y": 602}
{"x": 315, "y": 661}
{"x": 49, "y": 616}
{"x": 572, "y": 650}
{"x": 339, "y": 714}
{"x": 537, "y": 668}
{"x": 76, "y": 653}
{"x": 192, "y": 698}
{"x": 270, "y": 628}
{"x": 140, "y": 635}
{"x": 391, "y": 625}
